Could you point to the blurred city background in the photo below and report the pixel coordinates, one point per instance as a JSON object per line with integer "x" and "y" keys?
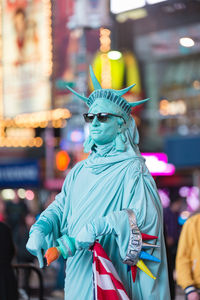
{"x": 47, "y": 44}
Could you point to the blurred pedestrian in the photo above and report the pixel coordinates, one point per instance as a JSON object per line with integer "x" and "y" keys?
{"x": 21, "y": 238}
{"x": 16, "y": 211}
{"x": 22, "y": 255}
{"x": 2, "y": 211}
{"x": 188, "y": 258}
{"x": 8, "y": 282}
{"x": 172, "y": 232}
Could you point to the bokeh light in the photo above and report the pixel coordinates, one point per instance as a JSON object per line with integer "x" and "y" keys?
{"x": 164, "y": 197}
{"x": 8, "y": 194}
{"x": 30, "y": 195}
{"x": 21, "y": 193}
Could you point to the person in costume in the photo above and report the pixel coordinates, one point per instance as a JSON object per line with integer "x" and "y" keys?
{"x": 112, "y": 197}
{"x": 188, "y": 258}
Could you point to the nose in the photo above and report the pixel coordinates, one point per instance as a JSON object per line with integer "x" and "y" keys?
{"x": 95, "y": 121}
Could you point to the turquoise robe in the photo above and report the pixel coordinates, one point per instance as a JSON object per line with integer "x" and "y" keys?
{"x": 109, "y": 181}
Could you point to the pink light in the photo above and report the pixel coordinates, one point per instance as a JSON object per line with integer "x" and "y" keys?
{"x": 158, "y": 165}
{"x": 184, "y": 191}
{"x": 76, "y": 136}
{"x": 29, "y": 195}
{"x": 164, "y": 197}
{"x": 193, "y": 198}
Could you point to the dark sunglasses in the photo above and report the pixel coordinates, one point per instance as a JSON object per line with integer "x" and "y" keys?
{"x": 101, "y": 117}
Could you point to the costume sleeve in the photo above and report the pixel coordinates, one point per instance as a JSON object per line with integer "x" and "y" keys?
{"x": 183, "y": 258}
{"x": 144, "y": 199}
{"x": 51, "y": 216}
{"x": 146, "y": 205}
{"x": 147, "y": 214}
{"x": 53, "y": 220}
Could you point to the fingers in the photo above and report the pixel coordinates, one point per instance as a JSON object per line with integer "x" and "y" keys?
{"x": 40, "y": 259}
{"x": 30, "y": 248}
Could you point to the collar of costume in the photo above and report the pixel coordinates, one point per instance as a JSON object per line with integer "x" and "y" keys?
{"x": 104, "y": 157}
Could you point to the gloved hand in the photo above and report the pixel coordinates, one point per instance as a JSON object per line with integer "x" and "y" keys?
{"x": 35, "y": 244}
{"x": 86, "y": 237}
{"x": 115, "y": 222}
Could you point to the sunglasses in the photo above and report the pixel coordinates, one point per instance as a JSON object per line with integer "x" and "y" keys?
{"x": 101, "y": 117}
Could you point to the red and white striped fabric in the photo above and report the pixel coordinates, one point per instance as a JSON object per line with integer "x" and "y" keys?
{"x": 107, "y": 284}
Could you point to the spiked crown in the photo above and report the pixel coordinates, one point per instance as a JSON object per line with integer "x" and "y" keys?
{"x": 115, "y": 96}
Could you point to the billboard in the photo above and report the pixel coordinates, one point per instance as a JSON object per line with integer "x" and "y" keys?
{"x": 26, "y": 55}
{"x": 20, "y": 174}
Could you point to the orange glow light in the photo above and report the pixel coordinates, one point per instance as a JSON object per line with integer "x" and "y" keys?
{"x": 62, "y": 160}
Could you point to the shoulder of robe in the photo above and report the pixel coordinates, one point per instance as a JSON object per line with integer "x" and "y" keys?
{"x": 137, "y": 166}
{"x": 76, "y": 169}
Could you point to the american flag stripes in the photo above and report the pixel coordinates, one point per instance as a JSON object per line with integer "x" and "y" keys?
{"x": 107, "y": 284}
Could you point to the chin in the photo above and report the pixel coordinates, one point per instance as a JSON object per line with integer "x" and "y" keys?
{"x": 99, "y": 140}
{"x": 100, "y": 143}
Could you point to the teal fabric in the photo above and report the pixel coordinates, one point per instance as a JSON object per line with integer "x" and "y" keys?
{"x": 115, "y": 223}
{"x": 66, "y": 246}
{"x": 109, "y": 181}
{"x": 36, "y": 243}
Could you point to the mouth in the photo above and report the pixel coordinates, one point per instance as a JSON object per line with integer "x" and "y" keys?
{"x": 95, "y": 131}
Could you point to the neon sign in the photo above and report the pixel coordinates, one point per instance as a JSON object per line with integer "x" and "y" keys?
{"x": 158, "y": 165}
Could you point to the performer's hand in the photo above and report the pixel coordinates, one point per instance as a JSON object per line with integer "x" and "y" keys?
{"x": 86, "y": 237}
{"x": 193, "y": 296}
{"x": 115, "y": 222}
{"x": 35, "y": 244}
{"x": 51, "y": 255}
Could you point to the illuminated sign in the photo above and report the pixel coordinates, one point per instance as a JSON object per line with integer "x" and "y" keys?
{"x": 118, "y": 6}
{"x": 26, "y": 56}
{"x": 158, "y": 165}
{"x": 89, "y": 13}
{"x": 20, "y": 174}
{"x": 154, "y": 1}
{"x": 20, "y": 131}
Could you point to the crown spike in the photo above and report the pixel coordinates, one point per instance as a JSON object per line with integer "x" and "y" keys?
{"x": 134, "y": 272}
{"x": 133, "y": 104}
{"x": 95, "y": 82}
{"x": 148, "y": 246}
{"x": 145, "y": 255}
{"x": 148, "y": 237}
{"x": 85, "y": 99}
{"x": 140, "y": 264}
{"x": 124, "y": 91}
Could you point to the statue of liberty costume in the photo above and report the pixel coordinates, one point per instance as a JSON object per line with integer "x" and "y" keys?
{"x": 110, "y": 196}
